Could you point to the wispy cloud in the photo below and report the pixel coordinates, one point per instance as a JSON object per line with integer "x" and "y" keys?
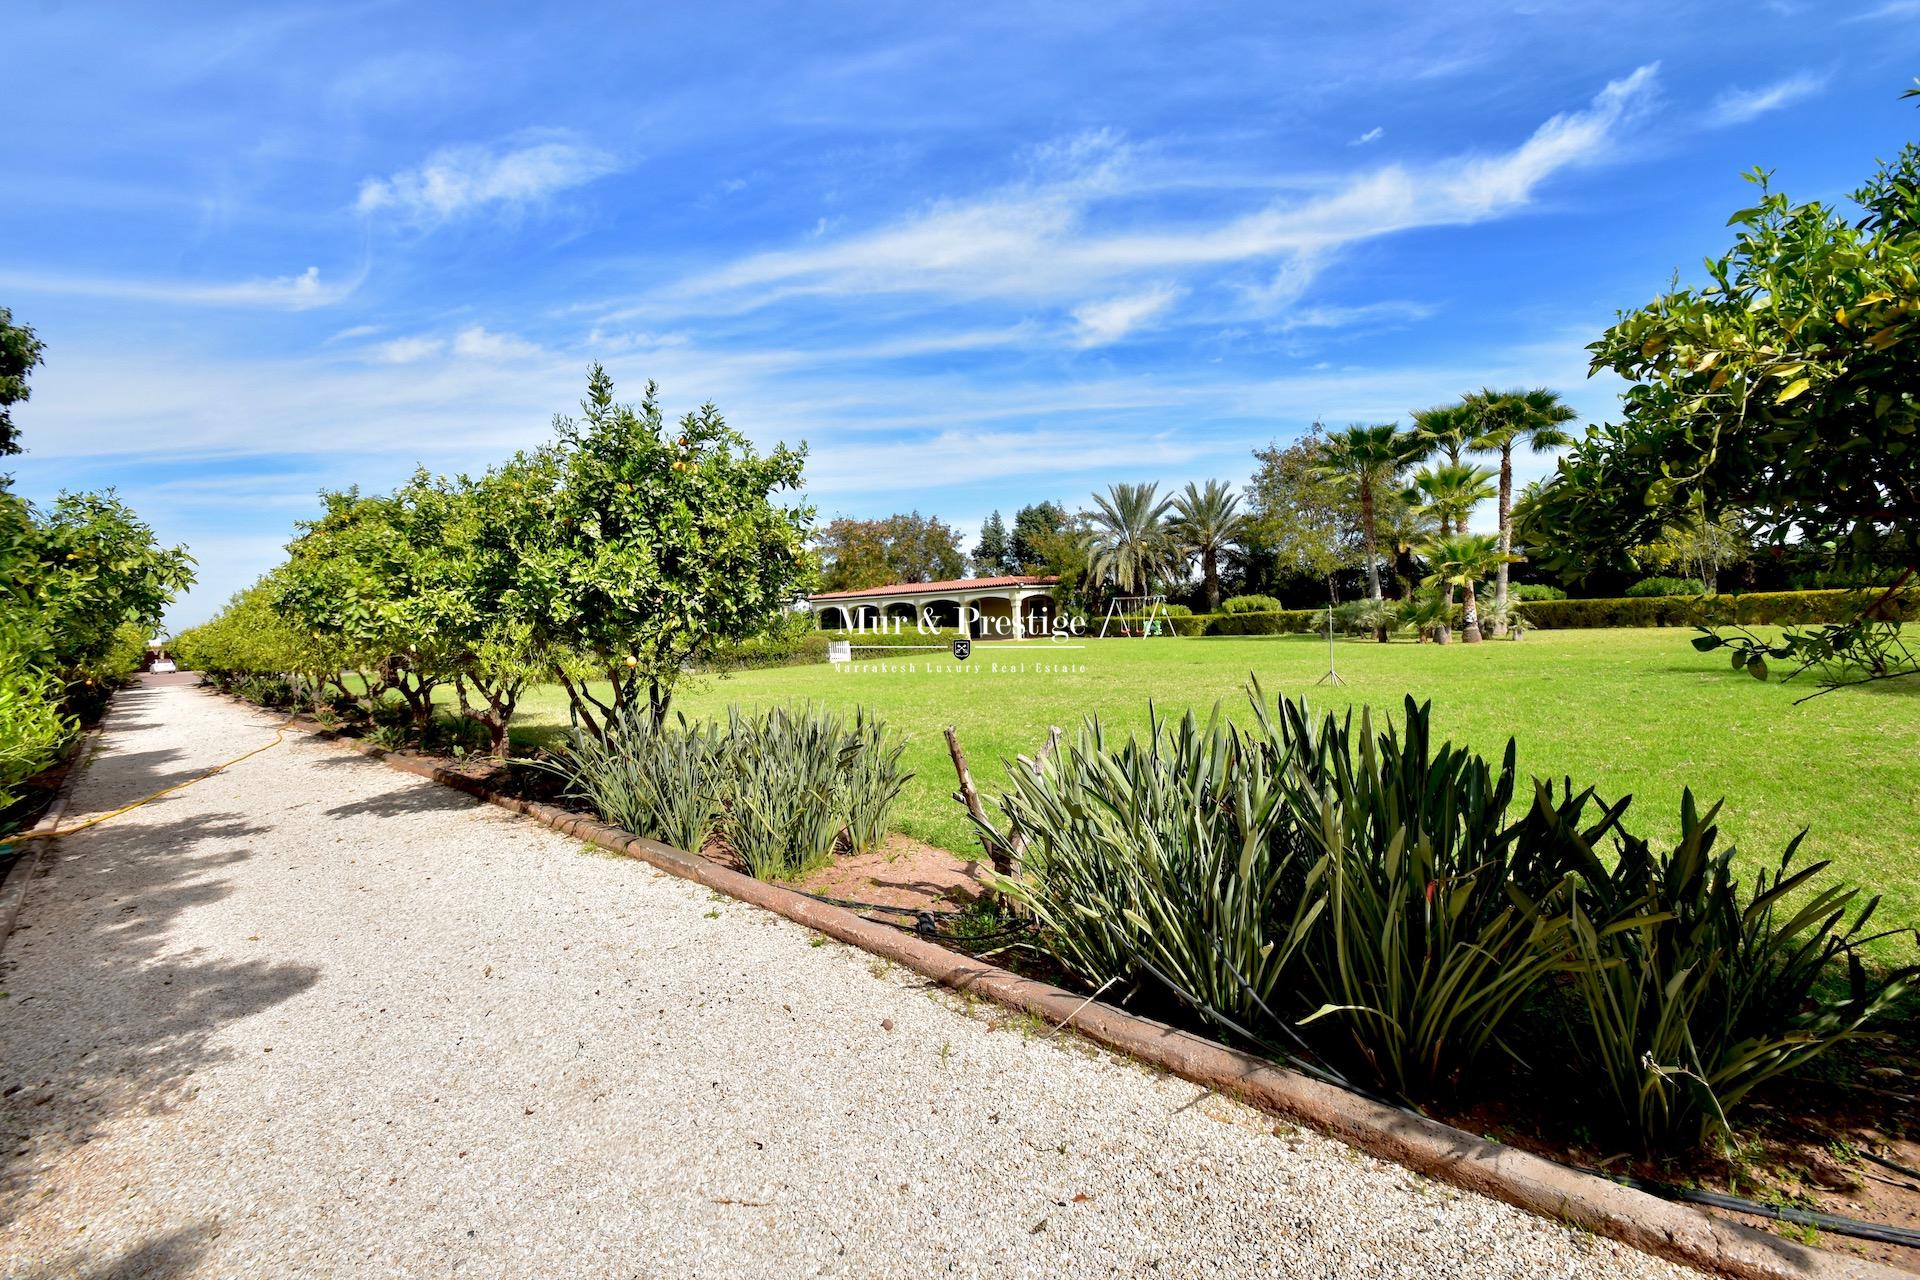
{"x": 1044, "y": 242}
{"x": 1737, "y": 106}
{"x": 301, "y": 292}
{"x": 1372, "y": 135}
{"x": 1113, "y": 319}
{"x": 407, "y": 350}
{"x": 457, "y": 180}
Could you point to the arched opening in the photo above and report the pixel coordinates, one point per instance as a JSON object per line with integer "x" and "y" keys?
{"x": 905, "y": 613}
{"x": 995, "y": 621}
{"x": 1037, "y": 614}
{"x": 830, "y": 617}
{"x": 943, "y": 613}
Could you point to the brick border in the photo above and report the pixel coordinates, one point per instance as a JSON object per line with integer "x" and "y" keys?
{"x": 1679, "y": 1232}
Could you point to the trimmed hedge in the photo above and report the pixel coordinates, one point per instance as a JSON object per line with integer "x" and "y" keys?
{"x": 1759, "y": 608}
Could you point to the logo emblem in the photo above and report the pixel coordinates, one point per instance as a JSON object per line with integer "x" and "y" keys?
{"x": 962, "y": 648}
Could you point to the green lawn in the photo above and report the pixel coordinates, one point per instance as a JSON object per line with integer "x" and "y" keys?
{"x": 1629, "y": 711}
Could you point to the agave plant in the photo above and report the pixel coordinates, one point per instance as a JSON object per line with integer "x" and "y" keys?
{"x": 662, "y": 782}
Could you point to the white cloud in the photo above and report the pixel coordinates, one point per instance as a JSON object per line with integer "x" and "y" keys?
{"x": 302, "y": 292}
{"x": 1039, "y": 242}
{"x": 1737, "y": 106}
{"x": 354, "y": 331}
{"x": 1372, "y": 135}
{"x": 1103, "y": 322}
{"x": 476, "y": 343}
{"x": 456, "y": 180}
{"x": 406, "y": 350}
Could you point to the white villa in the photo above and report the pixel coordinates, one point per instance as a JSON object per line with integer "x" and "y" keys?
{"x": 990, "y": 606}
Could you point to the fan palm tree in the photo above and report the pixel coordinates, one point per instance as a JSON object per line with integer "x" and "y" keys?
{"x": 1129, "y": 537}
{"x": 1462, "y": 560}
{"x": 1449, "y": 492}
{"x": 1445, "y": 429}
{"x": 1370, "y": 458}
{"x": 1205, "y": 523}
{"x": 1503, "y": 420}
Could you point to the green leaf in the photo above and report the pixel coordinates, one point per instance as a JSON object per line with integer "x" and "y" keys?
{"x": 1757, "y": 668}
{"x": 1792, "y": 390}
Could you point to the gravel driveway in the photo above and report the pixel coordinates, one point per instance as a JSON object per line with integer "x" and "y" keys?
{"x": 316, "y": 1017}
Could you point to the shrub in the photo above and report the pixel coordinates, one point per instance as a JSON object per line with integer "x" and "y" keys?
{"x": 1283, "y": 622}
{"x": 1249, "y": 604}
{"x": 662, "y": 783}
{"x": 1171, "y": 855}
{"x": 784, "y": 791}
{"x": 870, "y": 765}
{"x": 33, "y": 730}
{"x": 1694, "y": 994}
{"x": 1658, "y": 586}
{"x": 1759, "y": 608}
{"x": 1534, "y": 591}
{"x": 1385, "y": 900}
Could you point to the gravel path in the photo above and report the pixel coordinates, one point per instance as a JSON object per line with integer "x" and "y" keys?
{"x": 316, "y": 1017}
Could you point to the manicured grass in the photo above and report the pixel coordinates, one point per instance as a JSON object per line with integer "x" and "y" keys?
{"x": 1631, "y": 712}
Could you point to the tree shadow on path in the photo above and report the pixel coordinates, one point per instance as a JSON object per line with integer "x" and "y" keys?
{"x": 107, "y": 1013}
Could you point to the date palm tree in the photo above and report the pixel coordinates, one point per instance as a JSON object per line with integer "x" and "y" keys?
{"x": 1463, "y": 560}
{"x": 1205, "y": 523}
{"x": 1369, "y": 457}
{"x": 1504, "y": 420}
{"x": 1129, "y": 539}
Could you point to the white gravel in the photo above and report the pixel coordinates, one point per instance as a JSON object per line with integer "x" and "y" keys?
{"x": 316, "y": 1017}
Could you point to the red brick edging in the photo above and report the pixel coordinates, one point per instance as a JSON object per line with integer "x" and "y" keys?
{"x": 1676, "y": 1231}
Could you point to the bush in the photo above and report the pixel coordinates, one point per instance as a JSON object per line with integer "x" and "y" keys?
{"x": 783, "y": 786}
{"x": 1759, "y": 608}
{"x": 1534, "y": 591}
{"x": 33, "y": 730}
{"x": 1665, "y": 587}
{"x": 1694, "y": 993}
{"x": 1376, "y": 900}
{"x": 1249, "y": 604}
{"x": 662, "y": 783}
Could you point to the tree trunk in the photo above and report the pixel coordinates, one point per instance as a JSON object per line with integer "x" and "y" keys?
{"x": 1506, "y": 541}
{"x": 1210, "y": 577}
{"x": 1471, "y": 631}
{"x": 1366, "y": 532}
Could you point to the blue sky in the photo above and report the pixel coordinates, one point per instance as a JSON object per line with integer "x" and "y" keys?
{"x": 974, "y": 255}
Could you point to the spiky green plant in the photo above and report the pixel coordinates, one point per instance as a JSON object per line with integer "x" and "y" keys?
{"x": 870, "y": 765}
{"x": 1692, "y": 994}
{"x": 785, "y": 798}
{"x": 1171, "y": 855}
{"x": 662, "y": 782}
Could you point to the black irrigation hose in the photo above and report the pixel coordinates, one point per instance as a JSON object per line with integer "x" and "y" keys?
{"x": 1828, "y": 1222}
{"x": 926, "y": 921}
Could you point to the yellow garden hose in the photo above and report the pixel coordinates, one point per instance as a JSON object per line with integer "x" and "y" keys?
{"x": 53, "y": 833}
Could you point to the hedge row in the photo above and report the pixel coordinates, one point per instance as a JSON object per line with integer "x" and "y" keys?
{"x": 1760, "y": 608}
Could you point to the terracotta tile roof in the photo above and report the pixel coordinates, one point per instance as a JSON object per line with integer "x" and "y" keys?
{"x": 952, "y": 584}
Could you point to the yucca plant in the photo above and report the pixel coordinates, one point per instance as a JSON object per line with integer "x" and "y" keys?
{"x": 1441, "y": 914}
{"x": 1693, "y": 994}
{"x": 1171, "y": 855}
{"x": 870, "y": 764}
{"x": 785, "y": 801}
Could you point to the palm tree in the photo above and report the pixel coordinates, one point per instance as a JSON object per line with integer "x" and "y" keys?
{"x": 1369, "y": 457}
{"x": 1445, "y": 428}
{"x": 1462, "y": 560}
{"x": 1129, "y": 537}
{"x": 1205, "y": 523}
{"x": 1450, "y": 492}
{"x": 1504, "y": 419}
